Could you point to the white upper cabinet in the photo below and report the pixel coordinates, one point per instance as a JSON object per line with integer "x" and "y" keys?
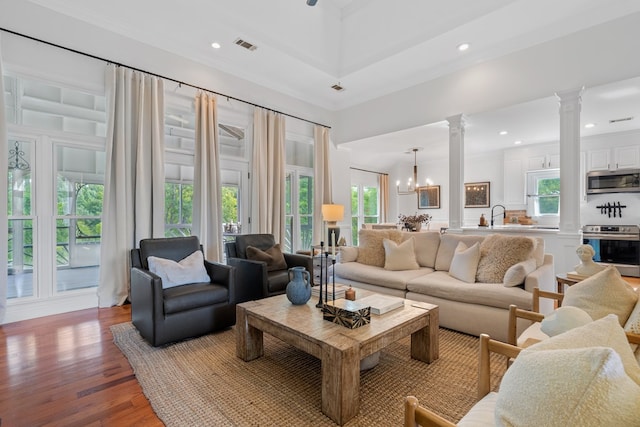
{"x": 544, "y": 161}
{"x": 613, "y": 158}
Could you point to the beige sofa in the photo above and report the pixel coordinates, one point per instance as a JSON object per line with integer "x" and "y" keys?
{"x": 473, "y": 308}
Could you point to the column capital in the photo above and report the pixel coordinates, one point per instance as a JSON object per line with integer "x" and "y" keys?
{"x": 571, "y": 95}
{"x": 456, "y": 121}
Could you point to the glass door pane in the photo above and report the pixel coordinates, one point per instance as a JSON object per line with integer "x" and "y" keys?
{"x": 79, "y": 198}
{"x": 20, "y": 266}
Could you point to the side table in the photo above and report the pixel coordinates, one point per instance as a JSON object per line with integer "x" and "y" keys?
{"x": 562, "y": 280}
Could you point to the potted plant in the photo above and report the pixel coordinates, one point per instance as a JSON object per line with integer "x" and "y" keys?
{"x": 414, "y": 222}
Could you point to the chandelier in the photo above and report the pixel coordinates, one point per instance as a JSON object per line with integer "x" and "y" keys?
{"x": 16, "y": 158}
{"x": 412, "y": 184}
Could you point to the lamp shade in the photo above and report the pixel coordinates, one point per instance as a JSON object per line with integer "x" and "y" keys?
{"x": 332, "y": 213}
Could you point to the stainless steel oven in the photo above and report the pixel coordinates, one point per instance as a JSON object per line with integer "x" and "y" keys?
{"x": 618, "y": 245}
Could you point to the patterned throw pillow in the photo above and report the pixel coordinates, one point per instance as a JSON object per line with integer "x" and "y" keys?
{"x": 499, "y": 252}
{"x": 370, "y": 248}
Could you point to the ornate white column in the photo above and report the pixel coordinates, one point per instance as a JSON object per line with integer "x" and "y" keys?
{"x": 456, "y": 172}
{"x": 570, "y": 106}
{"x": 569, "y": 235}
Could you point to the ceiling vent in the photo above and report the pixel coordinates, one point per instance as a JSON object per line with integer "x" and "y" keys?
{"x": 245, "y": 44}
{"x": 624, "y": 119}
{"x": 337, "y": 87}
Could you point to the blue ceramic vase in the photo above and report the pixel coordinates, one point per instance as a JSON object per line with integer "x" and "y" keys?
{"x": 299, "y": 288}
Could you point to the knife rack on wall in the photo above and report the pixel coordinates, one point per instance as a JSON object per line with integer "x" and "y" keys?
{"x": 615, "y": 208}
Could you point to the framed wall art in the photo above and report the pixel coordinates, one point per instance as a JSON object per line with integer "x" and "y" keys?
{"x": 477, "y": 194}
{"x": 429, "y": 197}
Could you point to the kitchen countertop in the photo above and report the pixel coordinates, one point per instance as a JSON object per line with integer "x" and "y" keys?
{"x": 514, "y": 228}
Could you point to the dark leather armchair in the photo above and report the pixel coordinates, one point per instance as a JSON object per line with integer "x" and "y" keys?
{"x": 166, "y": 315}
{"x": 254, "y": 281}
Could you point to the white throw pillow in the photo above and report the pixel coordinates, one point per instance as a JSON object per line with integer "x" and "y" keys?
{"x": 399, "y": 256}
{"x": 605, "y": 332}
{"x": 516, "y": 274}
{"x": 564, "y": 319}
{"x": 465, "y": 262}
{"x": 568, "y": 387}
{"x": 188, "y": 270}
{"x": 601, "y": 294}
{"x": 347, "y": 253}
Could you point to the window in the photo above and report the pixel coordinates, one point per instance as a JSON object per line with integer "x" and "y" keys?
{"x": 543, "y": 192}
{"x": 299, "y": 194}
{"x": 364, "y": 208}
{"x": 178, "y": 209}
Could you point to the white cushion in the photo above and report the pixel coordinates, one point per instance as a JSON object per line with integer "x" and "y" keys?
{"x": 348, "y": 253}
{"x": 516, "y": 274}
{"x": 564, "y": 319}
{"x": 399, "y": 256}
{"x": 601, "y": 294}
{"x": 188, "y": 270}
{"x": 482, "y": 413}
{"x": 426, "y": 246}
{"x": 605, "y": 332}
{"x": 465, "y": 262}
{"x": 633, "y": 323}
{"x": 538, "y": 251}
{"x": 532, "y": 332}
{"x": 567, "y": 387}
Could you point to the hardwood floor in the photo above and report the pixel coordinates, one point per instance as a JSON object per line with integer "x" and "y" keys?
{"x": 66, "y": 370}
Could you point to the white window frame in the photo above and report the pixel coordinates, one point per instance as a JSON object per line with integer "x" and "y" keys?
{"x": 533, "y": 198}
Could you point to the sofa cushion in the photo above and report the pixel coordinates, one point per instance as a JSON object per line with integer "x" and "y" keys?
{"x": 603, "y": 293}
{"x": 465, "y": 262}
{"x": 192, "y": 296}
{"x": 272, "y": 256}
{"x": 377, "y": 275}
{"x": 188, "y": 270}
{"x": 399, "y": 256}
{"x": 605, "y": 332}
{"x": 447, "y": 247}
{"x": 564, "y": 319}
{"x": 516, "y": 274}
{"x": 633, "y": 324}
{"x": 370, "y": 249}
{"x": 426, "y": 246}
{"x": 440, "y": 284}
{"x": 499, "y": 252}
{"x": 347, "y": 253}
{"x": 567, "y": 387}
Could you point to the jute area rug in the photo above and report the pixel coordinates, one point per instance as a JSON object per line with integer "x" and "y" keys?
{"x": 201, "y": 382}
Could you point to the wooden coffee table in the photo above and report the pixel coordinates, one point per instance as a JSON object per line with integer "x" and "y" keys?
{"x": 339, "y": 348}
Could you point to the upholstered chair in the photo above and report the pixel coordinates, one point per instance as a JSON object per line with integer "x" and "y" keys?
{"x": 176, "y": 293}
{"x": 262, "y": 267}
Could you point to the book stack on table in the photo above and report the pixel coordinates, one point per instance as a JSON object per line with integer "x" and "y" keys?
{"x": 340, "y": 290}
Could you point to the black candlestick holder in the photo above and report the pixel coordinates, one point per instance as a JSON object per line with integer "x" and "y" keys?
{"x": 320, "y": 304}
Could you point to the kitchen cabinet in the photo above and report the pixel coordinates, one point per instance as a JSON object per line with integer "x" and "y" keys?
{"x": 545, "y": 161}
{"x": 614, "y": 158}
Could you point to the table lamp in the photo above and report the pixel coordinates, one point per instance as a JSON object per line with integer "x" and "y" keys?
{"x": 332, "y": 214}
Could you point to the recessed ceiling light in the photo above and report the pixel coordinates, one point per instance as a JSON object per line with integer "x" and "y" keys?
{"x": 517, "y": 142}
{"x": 463, "y": 46}
{"x": 503, "y": 132}
{"x": 215, "y": 45}
{"x": 590, "y": 125}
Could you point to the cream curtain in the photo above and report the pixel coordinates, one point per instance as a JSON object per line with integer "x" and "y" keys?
{"x": 268, "y": 174}
{"x": 384, "y": 197}
{"x": 133, "y": 206}
{"x": 207, "y": 202}
{"x": 4, "y": 168}
{"x": 322, "y": 179}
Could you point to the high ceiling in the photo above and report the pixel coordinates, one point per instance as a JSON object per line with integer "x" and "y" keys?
{"x": 371, "y": 48}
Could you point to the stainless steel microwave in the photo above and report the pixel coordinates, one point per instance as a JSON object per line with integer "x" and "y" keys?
{"x": 618, "y": 181}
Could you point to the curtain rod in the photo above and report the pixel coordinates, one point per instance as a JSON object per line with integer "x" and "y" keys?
{"x": 155, "y": 75}
{"x": 364, "y": 170}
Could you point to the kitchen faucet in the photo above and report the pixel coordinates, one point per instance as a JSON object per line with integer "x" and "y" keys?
{"x": 504, "y": 213}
